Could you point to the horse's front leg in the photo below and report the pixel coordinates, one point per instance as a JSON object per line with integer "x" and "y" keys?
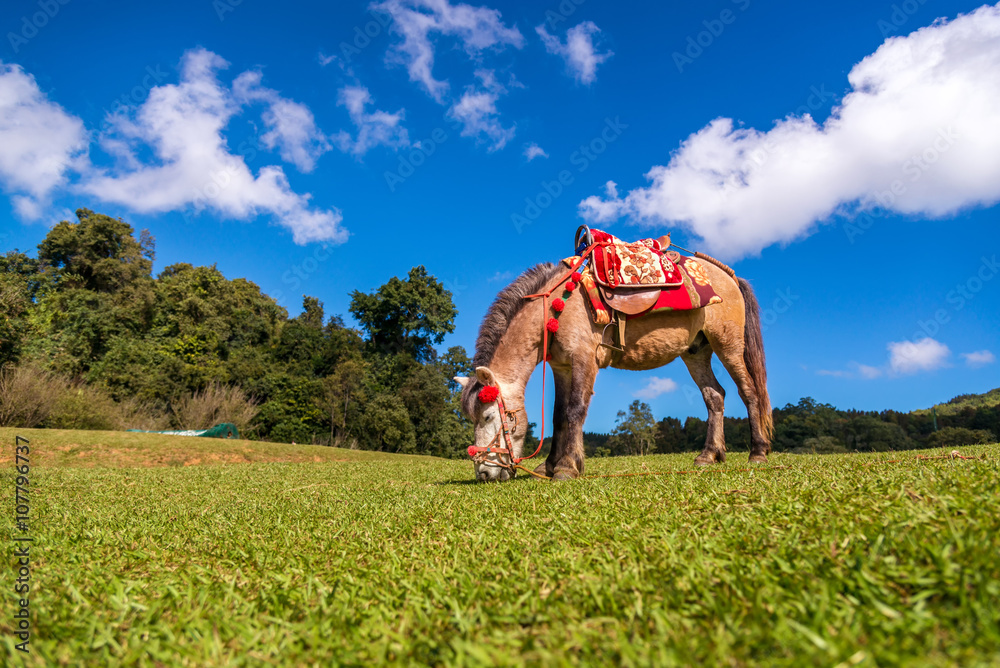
{"x": 574, "y": 388}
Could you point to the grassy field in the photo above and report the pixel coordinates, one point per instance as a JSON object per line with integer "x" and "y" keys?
{"x": 179, "y": 551}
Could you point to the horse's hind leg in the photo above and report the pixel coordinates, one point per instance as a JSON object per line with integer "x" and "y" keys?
{"x": 699, "y": 363}
{"x": 732, "y": 359}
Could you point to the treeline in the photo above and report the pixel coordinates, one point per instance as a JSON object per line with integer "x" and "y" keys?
{"x": 811, "y": 427}
{"x": 90, "y": 339}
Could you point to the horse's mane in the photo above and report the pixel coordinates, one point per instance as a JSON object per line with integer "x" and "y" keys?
{"x": 501, "y": 313}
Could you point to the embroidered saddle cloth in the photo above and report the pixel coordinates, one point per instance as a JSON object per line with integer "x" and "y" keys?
{"x": 639, "y": 264}
{"x": 642, "y": 278}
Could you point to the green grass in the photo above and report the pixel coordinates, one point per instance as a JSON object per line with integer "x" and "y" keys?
{"x": 364, "y": 558}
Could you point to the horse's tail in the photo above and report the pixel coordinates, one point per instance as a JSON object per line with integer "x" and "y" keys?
{"x": 753, "y": 357}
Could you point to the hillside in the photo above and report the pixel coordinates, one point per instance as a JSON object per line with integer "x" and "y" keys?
{"x": 963, "y": 401}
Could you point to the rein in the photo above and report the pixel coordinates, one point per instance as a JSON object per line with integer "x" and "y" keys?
{"x": 480, "y": 454}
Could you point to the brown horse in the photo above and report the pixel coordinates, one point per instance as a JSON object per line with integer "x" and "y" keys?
{"x": 509, "y": 347}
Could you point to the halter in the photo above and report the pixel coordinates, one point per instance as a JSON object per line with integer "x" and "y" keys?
{"x": 480, "y": 454}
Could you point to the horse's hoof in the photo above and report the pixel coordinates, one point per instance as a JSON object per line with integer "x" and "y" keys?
{"x": 565, "y": 475}
{"x": 758, "y": 459}
{"x": 703, "y": 461}
{"x": 542, "y": 469}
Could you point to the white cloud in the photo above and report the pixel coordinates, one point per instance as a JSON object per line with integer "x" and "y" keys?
{"x": 857, "y": 370}
{"x": 416, "y": 21}
{"x": 655, "y": 387}
{"x": 922, "y": 114}
{"x": 192, "y": 166}
{"x": 477, "y": 111}
{"x": 868, "y": 372}
{"x": 39, "y": 142}
{"x": 579, "y": 52}
{"x": 533, "y": 150}
{"x": 906, "y": 357}
{"x": 978, "y": 359}
{"x": 291, "y": 126}
{"x": 500, "y": 276}
{"x": 374, "y": 129}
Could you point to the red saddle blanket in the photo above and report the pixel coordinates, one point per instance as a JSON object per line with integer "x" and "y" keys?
{"x": 683, "y": 281}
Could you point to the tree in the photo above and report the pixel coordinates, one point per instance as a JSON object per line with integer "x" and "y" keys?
{"x": 635, "y": 431}
{"x": 343, "y": 390}
{"x": 386, "y": 425}
{"x": 670, "y": 435}
{"x": 18, "y": 283}
{"x": 98, "y": 252}
{"x": 406, "y": 316}
{"x": 950, "y": 437}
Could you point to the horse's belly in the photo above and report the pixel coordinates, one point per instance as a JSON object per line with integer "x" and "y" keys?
{"x": 656, "y": 340}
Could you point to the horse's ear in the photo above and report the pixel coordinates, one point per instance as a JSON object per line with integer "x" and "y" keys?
{"x": 485, "y": 376}
{"x": 462, "y": 380}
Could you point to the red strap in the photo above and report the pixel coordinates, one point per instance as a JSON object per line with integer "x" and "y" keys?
{"x": 545, "y": 339}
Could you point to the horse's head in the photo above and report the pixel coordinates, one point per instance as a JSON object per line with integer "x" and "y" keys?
{"x": 497, "y": 413}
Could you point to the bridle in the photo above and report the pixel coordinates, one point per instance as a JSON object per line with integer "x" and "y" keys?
{"x": 480, "y": 454}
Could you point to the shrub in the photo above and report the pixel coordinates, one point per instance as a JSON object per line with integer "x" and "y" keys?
{"x": 213, "y": 405}
{"x": 823, "y": 445}
{"x": 28, "y": 395}
{"x": 953, "y": 436}
{"x": 135, "y": 413}
{"x": 84, "y": 407}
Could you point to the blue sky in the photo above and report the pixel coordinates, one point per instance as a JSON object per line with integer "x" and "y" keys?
{"x": 319, "y": 149}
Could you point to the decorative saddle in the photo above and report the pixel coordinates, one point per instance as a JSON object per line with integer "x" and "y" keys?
{"x": 641, "y": 277}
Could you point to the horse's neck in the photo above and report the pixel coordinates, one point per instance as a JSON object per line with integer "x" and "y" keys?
{"x": 520, "y": 349}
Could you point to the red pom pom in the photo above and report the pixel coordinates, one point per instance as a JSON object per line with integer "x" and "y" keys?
{"x": 576, "y": 276}
{"x": 552, "y": 325}
{"x": 488, "y": 394}
{"x": 570, "y": 286}
{"x": 548, "y": 358}
{"x": 472, "y": 451}
{"x": 558, "y": 305}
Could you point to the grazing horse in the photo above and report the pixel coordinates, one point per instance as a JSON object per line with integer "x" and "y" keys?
{"x": 510, "y": 346}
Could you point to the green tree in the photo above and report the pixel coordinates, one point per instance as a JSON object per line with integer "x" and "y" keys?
{"x": 406, "y": 316}
{"x": 950, "y": 437}
{"x": 97, "y": 252}
{"x": 386, "y": 425}
{"x": 18, "y": 283}
{"x": 343, "y": 395}
{"x": 635, "y": 431}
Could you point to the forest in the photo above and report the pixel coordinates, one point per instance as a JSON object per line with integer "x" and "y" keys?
{"x": 90, "y": 339}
